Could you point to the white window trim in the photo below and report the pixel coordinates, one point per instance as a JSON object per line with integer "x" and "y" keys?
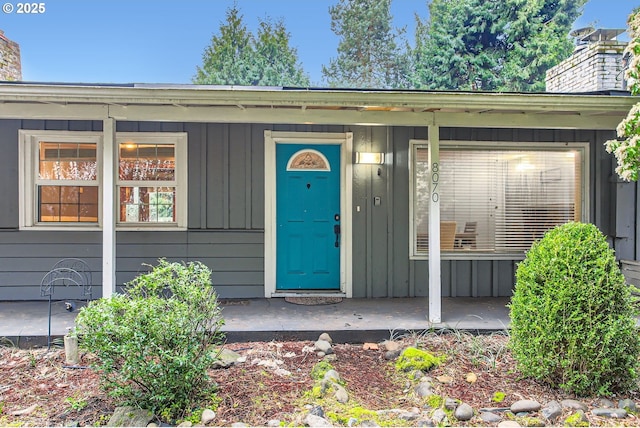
{"x": 501, "y": 145}
{"x": 179, "y": 140}
{"x": 28, "y": 165}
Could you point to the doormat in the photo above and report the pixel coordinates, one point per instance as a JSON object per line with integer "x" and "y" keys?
{"x": 311, "y": 301}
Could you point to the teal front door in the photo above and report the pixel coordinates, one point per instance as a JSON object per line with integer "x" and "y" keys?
{"x": 308, "y": 217}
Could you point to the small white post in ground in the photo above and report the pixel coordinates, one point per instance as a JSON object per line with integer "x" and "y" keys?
{"x": 71, "y": 350}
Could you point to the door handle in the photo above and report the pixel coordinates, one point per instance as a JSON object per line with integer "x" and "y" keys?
{"x": 336, "y": 230}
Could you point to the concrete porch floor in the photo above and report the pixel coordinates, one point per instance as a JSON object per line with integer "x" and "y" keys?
{"x": 25, "y": 323}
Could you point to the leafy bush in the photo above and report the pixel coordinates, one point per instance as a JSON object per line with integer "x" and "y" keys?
{"x": 155, "y": 343}
{"x": 573, "y": 319}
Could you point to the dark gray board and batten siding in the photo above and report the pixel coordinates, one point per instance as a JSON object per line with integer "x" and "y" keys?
{"x": 226, "y": 213}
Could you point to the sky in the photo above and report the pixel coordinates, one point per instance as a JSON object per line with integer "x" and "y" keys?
{"x": 162, "y": 41}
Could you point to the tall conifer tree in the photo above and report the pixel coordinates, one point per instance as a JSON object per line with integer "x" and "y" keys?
{"x": 237, "y": 57}
{"x": 368, "y": 55}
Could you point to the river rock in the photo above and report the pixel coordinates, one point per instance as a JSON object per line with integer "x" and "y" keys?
{"x": 226, "y": 358}
{"x": 463, "y": 412}
{"x": 439, "y": 416}
{"x": 423, "y": 389}
{"x": 208, "y": 415}
{"x": 273, "y": 423}
{"x": 605, "y": 403}
{"x": 609, "y": 412}
{"x": 451, "y": 403}
{"x": 391, "y": 345}
{"x": 628, "y": 405}
{"x": 525, "y": 406}
{"x": 316, "y": 421}
{"x": 574, "y": 404}
{"x": 490, "y": 417}
{"x": 552, "y": 411}
{"x": 325, "y": 337}
{"x": 340, "y": 394}
{"x": 323, "y": 346}
{"x": 509, "y": 424}
{"x": 128, "y": 416}
{"x": 332, "y": 375}
{"x": 317, "y": 411}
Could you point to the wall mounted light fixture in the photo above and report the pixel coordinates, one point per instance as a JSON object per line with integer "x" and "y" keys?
{"x": 370, "y": 158}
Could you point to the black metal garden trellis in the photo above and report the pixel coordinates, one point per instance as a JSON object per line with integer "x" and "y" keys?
{"x": 66, "y": 272}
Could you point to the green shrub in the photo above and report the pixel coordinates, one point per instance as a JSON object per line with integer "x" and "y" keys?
{"x": 572, "y": 315}
{"x": 155, "y": 343}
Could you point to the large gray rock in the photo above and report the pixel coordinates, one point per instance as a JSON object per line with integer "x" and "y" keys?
{"x": 316, "y": 421}
{"x": 525, "y": 406}
{"x": 208, "y": 416}
{"x": 574, "y": 404}
{"x": 490, "y": 417}
{"x": 463, "y": 412}
{"x": 226, "y": 359}
{"x": 332, "y": 375}
{"x": 605, "y": 403}
{"x": 451, "y": 403}
{"x": 551, "y": 411}
{"x": 628, "y": 405}
{"x": 439, "y": 416}
{"x": 391, "y": 345}
{"x": 128, "y": 416}
{"x": 325, "y": 337}
{"x": 340, "y": 394}
{"x": 423, "y": 389}
{"x": 609, "y": 412}
{"x": 323, "y": 346}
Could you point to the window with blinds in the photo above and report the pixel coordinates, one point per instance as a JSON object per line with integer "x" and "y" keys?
{"x": 497, "y": 198}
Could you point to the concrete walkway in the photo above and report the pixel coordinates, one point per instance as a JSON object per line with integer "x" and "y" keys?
{"x": 25, "y": 324}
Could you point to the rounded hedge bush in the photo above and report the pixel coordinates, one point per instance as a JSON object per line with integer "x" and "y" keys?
{"x": 157, "y": 342}
{"x": 573, "y": 318}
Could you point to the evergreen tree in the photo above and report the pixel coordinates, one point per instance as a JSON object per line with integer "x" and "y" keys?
{"x": 458, "y": 49}
{"x": 493, "y": 45}
{"x": 537, "y": 39}
{"x": 277, "y": 61}
{"x": 237, "y": 57}
{"x": 229, "y": 60}
{"x": 368, "y": 54}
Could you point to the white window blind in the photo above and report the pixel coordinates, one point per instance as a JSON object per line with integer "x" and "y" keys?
{"x": 497, "y": 200}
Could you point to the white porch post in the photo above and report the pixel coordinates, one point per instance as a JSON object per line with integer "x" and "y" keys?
{"x": 435, "y": 294}
{"x": 108, "y": 209}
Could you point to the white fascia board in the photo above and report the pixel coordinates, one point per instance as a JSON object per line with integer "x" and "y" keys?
{"x": 203, "y": 95}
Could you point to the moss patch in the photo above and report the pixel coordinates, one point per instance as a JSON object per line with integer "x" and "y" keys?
{"x": 498, "y": 397}
{"x": 417, "y": 359}
{"x": 319, "y": 370}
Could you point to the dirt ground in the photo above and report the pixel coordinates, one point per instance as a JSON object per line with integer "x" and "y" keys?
{"x": 273, "y": 382}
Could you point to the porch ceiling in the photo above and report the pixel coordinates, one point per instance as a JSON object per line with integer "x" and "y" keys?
{"x": 192, "y": 103}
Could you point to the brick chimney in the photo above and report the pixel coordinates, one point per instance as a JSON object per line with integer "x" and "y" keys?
{"x": 595, "y": 65}
{"x": 10, "y": 65}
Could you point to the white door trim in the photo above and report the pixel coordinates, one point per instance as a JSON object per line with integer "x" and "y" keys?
{"x": 345, "y": 140}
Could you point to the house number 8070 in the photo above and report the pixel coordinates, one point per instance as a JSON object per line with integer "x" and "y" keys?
{"x": 435, "y": 178}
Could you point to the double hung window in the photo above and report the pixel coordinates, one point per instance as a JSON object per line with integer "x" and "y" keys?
{"x": 151, "y": 179}
{"x": 61, "y": 179}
